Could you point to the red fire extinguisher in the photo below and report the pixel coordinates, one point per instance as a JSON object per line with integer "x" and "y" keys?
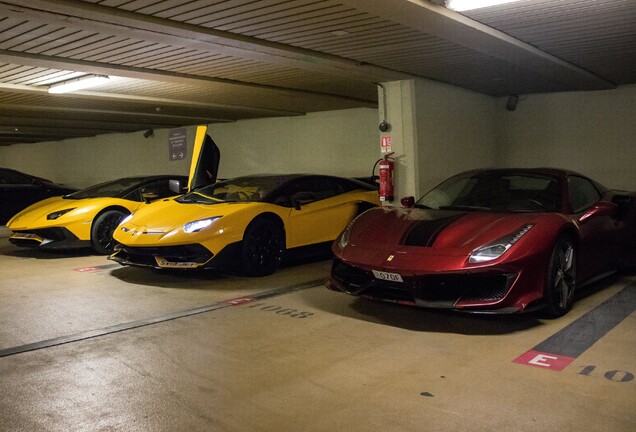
{"x": 386, "y": 178}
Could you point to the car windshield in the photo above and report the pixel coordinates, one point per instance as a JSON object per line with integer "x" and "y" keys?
{"x": 111, "y": 189}
{"x": 495, "y": 191}
{"x": 240, "y": 189}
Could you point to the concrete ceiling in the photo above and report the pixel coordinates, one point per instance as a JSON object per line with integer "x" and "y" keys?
{"x": 181, "y": 62}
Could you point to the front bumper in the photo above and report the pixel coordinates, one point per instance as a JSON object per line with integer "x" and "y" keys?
{"x": 482, "y": 291}
{"x": 48, "y": 238}
{"x": 190, "y": 256}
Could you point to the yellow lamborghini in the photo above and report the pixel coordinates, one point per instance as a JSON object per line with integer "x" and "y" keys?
{"x": 87, "y": 218}
{"x": 249, "y": 220}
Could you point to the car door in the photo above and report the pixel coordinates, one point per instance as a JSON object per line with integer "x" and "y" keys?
{"x": 319, "y": 212}
{"x": 597, "y": 252}
{"x": 206, "y": 156}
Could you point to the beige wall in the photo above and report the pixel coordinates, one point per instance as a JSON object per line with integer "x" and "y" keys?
{"x": 590, "y": 132}
{"x": 443, "y": 130}
{"x": 437, "y": 130}
{"x": 82, "y": 162}
{"x": 336, "y": 142}
{"x": 456, "y": 131}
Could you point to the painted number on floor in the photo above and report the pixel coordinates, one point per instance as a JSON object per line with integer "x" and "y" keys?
{"x": 279, "y": 310}
{"x": 612, "y": 375}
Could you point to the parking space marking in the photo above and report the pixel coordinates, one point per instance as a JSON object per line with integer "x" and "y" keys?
{"x": 157, "y": 320}
{"x": 562, "y": 348}
{"x": 96, "y": 268}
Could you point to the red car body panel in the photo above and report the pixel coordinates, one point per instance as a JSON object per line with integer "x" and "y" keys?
{"x": 430, "y": 249}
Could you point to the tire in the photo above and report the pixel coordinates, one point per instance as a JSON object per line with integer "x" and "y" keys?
{"x": 561, "y": 278}
{"x": 262, "y": 247}
{"x": 102, "y": 231}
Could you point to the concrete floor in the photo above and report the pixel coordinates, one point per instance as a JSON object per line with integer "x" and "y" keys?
{"x": 87, "y": 345}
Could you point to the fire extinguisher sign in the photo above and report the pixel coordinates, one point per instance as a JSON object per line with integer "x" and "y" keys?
{"x": 385, "y": 144}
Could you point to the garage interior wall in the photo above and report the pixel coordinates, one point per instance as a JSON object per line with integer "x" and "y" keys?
{"x": 444, "y": 129}
{"x": 456, "y": 131}
{"x": 593, "y": 133}
{"x": 334, "y": 142}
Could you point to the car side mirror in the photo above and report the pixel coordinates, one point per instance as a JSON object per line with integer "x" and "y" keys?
{"x": 176, "y": 186}
{"x": 408, "y": 202}
{"x": 601, "y": 208}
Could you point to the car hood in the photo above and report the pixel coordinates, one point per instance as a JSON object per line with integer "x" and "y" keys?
{"x": 458, "y": 231}
{"x": 35, "y": 214}
{"x": 167, "y": 214}
{"x": 39, "y": 210}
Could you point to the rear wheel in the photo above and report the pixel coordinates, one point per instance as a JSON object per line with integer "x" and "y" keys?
{"x": 561, "y": 278}
{"x": 262, "y": 247}
{"x": 102, "y": 231}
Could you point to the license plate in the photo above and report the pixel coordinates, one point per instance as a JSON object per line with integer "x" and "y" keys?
{"x": 171, "y": 264}
{"x": 391, "y": 277}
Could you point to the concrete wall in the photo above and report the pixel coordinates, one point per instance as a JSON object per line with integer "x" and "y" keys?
{"x": 83, "y": 162}
{"x": 337, "y": 142}
{"x": 456, "y": 131}
{"x": 441, "y": 129}
{"x": 590, "y": 132}
{"x": 436, "y": 130}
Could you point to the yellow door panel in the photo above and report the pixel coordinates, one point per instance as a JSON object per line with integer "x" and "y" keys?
{"x": 319, "y": 222}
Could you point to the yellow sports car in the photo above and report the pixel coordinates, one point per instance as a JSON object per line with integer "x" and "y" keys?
{"x": 87, "y": 218}
{"x": 249, "y": 220}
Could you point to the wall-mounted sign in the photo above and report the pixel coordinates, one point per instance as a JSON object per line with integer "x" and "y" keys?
{"x": 177, "y": 144}
{"x": 385, "y": 144}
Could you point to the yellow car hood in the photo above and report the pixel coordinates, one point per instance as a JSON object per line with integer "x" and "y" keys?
{"x": 35, "y": 215}
{"x": 165, "y": 215}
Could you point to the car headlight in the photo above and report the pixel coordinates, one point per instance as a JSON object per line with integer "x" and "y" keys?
{"x": 198, "y": 225}
{"x": 126, "y": 219}
{"x": 57, "y": 214}
{"x": 497, "y": 248}
{"x": 345, "y": 235}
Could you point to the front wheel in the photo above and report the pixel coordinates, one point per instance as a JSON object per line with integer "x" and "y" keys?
{"x": 102, "y": 231}
{"x": 262, "y": 247}
{"x": 561, "y": 278}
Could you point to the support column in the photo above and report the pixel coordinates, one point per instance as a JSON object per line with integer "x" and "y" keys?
{"x": 397, "y": 108}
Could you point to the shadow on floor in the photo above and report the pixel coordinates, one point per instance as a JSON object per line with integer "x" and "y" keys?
{"x": 441, "y": 321}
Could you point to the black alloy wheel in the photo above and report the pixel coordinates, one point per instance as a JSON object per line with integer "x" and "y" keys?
{"x": 262, "y": 248}
{"x": 102, "y": 231}
{"x": 561, "y": 278}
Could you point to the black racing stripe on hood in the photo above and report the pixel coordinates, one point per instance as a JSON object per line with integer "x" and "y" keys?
{"x": 424, "y": 233}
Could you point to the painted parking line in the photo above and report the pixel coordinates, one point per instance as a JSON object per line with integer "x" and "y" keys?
{"x": 96, "y": 268}
{"x": 157, "y": 320}
{"x": 562, "y": 348}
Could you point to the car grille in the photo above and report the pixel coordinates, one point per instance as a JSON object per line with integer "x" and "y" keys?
{"x": 352, "y": 279}
{"x": 146, "y": 255}
{"x": 55, "y": 234}
{"x": 441, "y": 289}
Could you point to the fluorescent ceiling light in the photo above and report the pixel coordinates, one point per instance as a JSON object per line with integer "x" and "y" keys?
{"x": 78, "y": 83}
{"x": 464, "y": 5}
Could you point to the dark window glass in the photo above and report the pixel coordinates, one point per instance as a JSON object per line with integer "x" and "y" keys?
{"x": 495, "y": 191}
{"x": 10, "y": 177}
{"x": 582, "y": 193}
